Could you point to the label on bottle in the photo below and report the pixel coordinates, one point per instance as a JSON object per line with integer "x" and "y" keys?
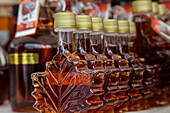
{"x": 161, "y": 28}
{"x": 24, "y": 58}
{"x": 27, "y": 17}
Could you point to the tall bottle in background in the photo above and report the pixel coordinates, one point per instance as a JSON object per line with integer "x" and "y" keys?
{"x": 152, "y": 53}
{"x": 28, "y": 54}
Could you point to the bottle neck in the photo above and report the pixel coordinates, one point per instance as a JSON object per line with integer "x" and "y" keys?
{"x": 143, "y": 24}
{"x": 123, "y": 42}
{"x": 131, "y": 40}
{"x": 97, "y": 42}
{"x": 66, "y": 40}
{"x": 45, "y": 20}
{"x": 83, "y": 42}
{"x": 110, "y": 43}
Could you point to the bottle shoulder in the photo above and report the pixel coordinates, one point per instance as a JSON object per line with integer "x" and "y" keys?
{"x": 40, "y": 40}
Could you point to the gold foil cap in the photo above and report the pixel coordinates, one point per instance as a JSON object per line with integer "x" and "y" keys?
{"x": 162, "y": 9}
{"x": 132, "y": 28}
{"x": 155, "y": 7}
{"x": 110, "y": 25}
{"x": 64, "y": 20}
{"x": 97, "y": 24}
{"x": 142, "y": 6}
{"x": 123, "y": 26}
{"x": 83, "y": 22}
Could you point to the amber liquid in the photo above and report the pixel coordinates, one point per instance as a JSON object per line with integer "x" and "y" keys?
{"x": 21, "y": 83}
{"x": 151, "y": 54}
{"x": 84, "y": 51}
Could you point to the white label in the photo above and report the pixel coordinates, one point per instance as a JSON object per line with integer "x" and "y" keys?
{"x": 27, "y": 17}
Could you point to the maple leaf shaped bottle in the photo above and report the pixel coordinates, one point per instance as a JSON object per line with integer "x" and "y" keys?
{"x": 83, "y": 25}
{"x": 114, "y": 74}
{"x": 67, "y": 85}
{"x": 136, "y": 76}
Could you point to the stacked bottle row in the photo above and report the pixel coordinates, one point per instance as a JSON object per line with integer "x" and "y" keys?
{"x": 95, "y": 68}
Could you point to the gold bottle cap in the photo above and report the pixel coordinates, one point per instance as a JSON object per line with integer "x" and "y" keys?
{"x": 162, "y": 9}
{"x": 64, "y": 20}
{"x": 97, "y": 24}
{"x": 132, "y": 28}
{"x": 155, "y": 7}
{"x": 142, "y": 6}
{"x": 83, "y": 22}
{"x": 110, "y": 25}
{"x": 123, "y": 26}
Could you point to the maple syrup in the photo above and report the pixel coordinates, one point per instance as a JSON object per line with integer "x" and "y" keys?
{"x": 68, "y": 84}
{"x": 145, "y": 37}
{"x": 136, "y": 72}
{"x": 28, "y": 54}
{"x": 111, "y": 72}
{"x": 100, "y": 54}
{"x": 83, "y": 25}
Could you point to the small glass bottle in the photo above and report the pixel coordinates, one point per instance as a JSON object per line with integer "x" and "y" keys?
{"x": 98, "y": 51}
{"x": 136, "y": 76}
{"x": 135, "y": 71}
{"x": 83, "y": 26}
{"x": 27, "y": 55}
{"x": 111, "y": 72}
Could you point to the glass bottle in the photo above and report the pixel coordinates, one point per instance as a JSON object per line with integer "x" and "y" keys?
{"x": 67, "y": 85}
{"x": 28, "y": 54}
{"x": 110, "y": 50}
{"x": 136, "y": 76}
{"x": 98, "y": 51}
{"x": 142, "y": 12}
{"x": 83, "y": 26}
{"x": 111, "y": 72}
{"x": 123, "y": 50}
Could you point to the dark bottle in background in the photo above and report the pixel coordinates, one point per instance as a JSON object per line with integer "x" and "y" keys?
{"x": 28, "y": 54}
